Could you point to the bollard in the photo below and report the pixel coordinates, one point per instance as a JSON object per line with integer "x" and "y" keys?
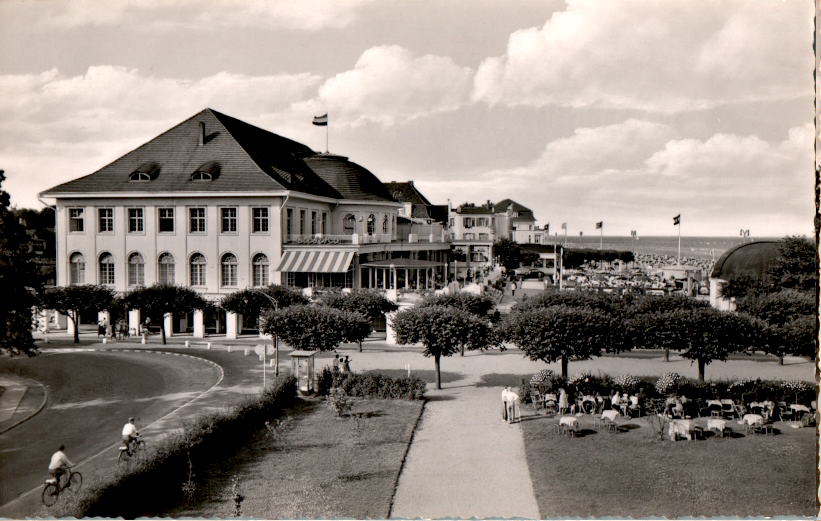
{"x": 143, "y": 340}
{"x": 229, "y": 349}
{"x": 245, "y": 352}
{"x": 105, "y": 340}
{"x": 208, "y": 345}
{"x": 187, "y": 343}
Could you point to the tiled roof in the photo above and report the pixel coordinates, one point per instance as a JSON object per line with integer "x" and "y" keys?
{"x": 406, "y": 192}
{"x": 419, "y": 211}
{"x": 482, "y": 210}
{"x": 524, "y": 212}
{"x": 246, "y": 159}
{"x": 751, "y": 258}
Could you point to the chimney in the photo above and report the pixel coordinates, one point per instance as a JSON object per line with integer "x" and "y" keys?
{"x": 202, "y": 133}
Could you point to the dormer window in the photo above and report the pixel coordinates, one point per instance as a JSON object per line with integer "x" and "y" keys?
{"x": 145, "y": 173}
{"x": 207, "y": 172}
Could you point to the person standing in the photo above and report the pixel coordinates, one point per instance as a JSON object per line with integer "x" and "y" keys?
{"x": 336, "y": 362}
{"x": 505, "y": 393}
{"x": 512, "y": 399}
{"x": 513, "y": 288}
{"x": 346, "y": 364}
{"x": 563, "y": 405}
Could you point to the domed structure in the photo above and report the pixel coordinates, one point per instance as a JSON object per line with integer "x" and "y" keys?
{"x": 752, "y": 259}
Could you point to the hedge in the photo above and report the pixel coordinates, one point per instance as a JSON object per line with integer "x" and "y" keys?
{"x": 155, "y": 484}
{"x": 371, "y": 385}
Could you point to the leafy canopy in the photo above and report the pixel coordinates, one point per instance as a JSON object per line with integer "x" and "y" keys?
{"x": 87, "y": 297}
{"x": 159, "y": 299}
{"x": 478, "y": 305}
{"x": 443, "y": 331}
{"x": 252, "y": 302}
{"x": 315, "y": 328}
{"x": 369, "y": 303}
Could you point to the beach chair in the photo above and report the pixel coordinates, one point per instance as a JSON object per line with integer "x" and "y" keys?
{"x": 728, "y": 409}
{"x": 551, "y": 403}
{"x": 536, "y": 399}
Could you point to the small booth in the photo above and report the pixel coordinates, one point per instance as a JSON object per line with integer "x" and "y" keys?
{"x": 302, "y": 367}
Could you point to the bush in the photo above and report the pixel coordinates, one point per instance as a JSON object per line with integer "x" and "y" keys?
{"x": 150, "y": 486}
{"x": 668, "y": 383}
{"x": 626, "y": 383}
{"x": 371, "y": 385}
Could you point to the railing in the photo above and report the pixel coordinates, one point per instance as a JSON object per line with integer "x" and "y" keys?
{"x": 328, "y": 239}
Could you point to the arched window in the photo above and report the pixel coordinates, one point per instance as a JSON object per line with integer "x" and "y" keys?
{"x": 349, "y": 223}
{"x": 197, "y": 269}
{"x": 136, "y": 270}
{"x": 76, "y": 269}
{"x": 385, "y": 224}
{"x": 206, "y": 172}
{"x": 146, "y": 172}
{"x": 371, "y": 224}
{"x": 260, "y": 270}
{"x": 228, "y": 271}
{"x": 106, "y": 269}
{"x": 165, "y": 271}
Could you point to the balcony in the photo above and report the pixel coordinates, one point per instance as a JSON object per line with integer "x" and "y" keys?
{"x": 355, "y": 238}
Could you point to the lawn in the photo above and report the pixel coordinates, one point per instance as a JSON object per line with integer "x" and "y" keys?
{"x": 316, "y": 465}
{"x": 631, "y": 473}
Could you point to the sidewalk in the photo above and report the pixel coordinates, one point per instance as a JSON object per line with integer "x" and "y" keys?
{"x": 464, "y": 460}
{"x": 21, "y": 399}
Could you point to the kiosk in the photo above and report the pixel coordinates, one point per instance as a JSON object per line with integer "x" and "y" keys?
{"x": 302, "y": 367}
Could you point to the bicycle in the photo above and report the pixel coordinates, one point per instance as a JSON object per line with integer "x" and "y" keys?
{"x": 132, "y": 451}
{"x": 70, "y": 480}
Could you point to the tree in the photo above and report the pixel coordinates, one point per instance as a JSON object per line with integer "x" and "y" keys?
{"x": 777, "y": 309}
{"x": 742, "y": 286}
{"x": 369, "y": 303}
{"x": 73, "y": 300}
{"x": 310, "y": 328}
{"x": 560, "y": 333}
{"x": 253, "y": 302}
{"x": 19, "y": 281}
{"x": 476, "y": 305}
{"x": 443, "y": 331}
{"x": 601, "y": 302}
{"x": 157, "y": 300}
{"x": 508, "y": 252}
{"x": 703, "y": 335}
{"x": 355, "y": 326}
{"x": 649, "y": 304}
{"x": 795, "y": 266}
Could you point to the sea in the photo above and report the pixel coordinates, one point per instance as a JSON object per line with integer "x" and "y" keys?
{"x": 694, "y": 247}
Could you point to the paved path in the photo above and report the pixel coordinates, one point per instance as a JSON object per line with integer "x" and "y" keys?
{"x": 464, "y": 460}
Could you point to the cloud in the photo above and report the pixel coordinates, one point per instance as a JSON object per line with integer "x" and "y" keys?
{"x": 718, "y": 184}
{"x": 56, "y": 127}
{"x": 662, "y": 56}
{"x": 388, "y": 85}
{"x": 307, "y": 15}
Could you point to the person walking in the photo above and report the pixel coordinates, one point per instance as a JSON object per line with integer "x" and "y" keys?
{"x": 563, "y": 405}
{"x": 505, "y": 393}
{"x": 346, "y": 364}
{"x": 512, "y": 400}
{"x": 513, "y": 288}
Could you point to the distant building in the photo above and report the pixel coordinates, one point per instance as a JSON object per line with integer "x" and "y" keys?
{"x": 752, "y": 259}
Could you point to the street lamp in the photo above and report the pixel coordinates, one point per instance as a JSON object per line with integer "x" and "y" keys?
{"x": 276, "y": 343}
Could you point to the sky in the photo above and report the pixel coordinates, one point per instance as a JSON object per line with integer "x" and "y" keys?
{"x": 626, "y": 111}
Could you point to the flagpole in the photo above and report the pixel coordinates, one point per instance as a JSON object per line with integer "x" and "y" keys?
{"x": 327, "y": 150}
{"x": 679, "y": 242}
{"x": 601, "y": 236}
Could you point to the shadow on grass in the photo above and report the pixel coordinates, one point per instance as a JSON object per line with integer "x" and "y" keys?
{"x": 581, "y": 433}
{"x": 502, "y": 379}
{"x": 626, "y": 427}
{"x": 440, "y": 397}
{"x": 427, "y": 375}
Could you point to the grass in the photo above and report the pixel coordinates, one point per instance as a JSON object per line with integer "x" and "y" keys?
{"x": 317, "y": 466}
{"x": 630, "y": 473}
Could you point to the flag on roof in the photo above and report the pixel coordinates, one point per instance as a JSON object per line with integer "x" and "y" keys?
{"x": 599, "y": 225}
{"x": 564, "y": 226}
{"x": 677, "y": 220}
{"x": 322, "y": 120}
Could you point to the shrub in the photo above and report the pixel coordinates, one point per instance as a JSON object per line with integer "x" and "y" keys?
{"x": 152, "y": 484}
{"x": 542, "y": 377}
{"x": 626, "y": 383}
{"x": 669, "y": 383}
{"x": 339, "y": 402}
{"x": 371, "y": 385}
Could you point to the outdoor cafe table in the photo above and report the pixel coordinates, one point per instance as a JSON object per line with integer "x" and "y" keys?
{"x": 569, "y": 422}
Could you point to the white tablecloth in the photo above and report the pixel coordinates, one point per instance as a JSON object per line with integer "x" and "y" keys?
{"x": 715, "y": 424}
{"x": 752, "y": 419}
{"x": 570, "y": 421}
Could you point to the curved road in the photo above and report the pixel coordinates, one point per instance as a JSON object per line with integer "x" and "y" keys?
{"x": 91, "y": 395}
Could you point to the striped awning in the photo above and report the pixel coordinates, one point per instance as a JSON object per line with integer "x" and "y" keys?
{"x": 316, "y": 261}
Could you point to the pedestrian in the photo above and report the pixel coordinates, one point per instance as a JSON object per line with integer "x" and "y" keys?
{"x": 512, "y": 400}
{"x": 505, "y": 393}
{"x": 101, "y": 328}
{"x": 513, "y": 288}
{"x": 346, "y": 364}
{"x": 562, "y": 400}
{"x": 336, "y": 362}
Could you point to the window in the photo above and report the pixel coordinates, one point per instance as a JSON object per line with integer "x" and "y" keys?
{"x": 469, "y": 236}
{"x": 166, "y": 219}
{"x": 165, "y": 271}
{"x": 260, "y": 220}
{"x": 206, "y": 172}
{"x": 260, "y": 270}
{"x": 135, "y": 220}
{"x": 323, "y": 228}
{"x": 75, "y": 219}
{"x": 385, "y": 224}
{"x": 229, "y": 220}
{"x": 482, "y": 221}
{"x": 302, "y": 222}
{"x": 197, "y": 270}
{"x": 145, "y": 173}
{"x": 196, "y": 220}
{"x": 105, "y": 220}
{"x": 76, "y": 269}
{"x": 289, "y": 223}
{"x": 371, "y": 224}
{"x": 468, "y": 222}
{"x": 349, "y": 223}
{"x": 228, "y": 271}
{"x": 201, "y": 176}
{"x": 483, "y": 237}
{"x": 314, "y": 222}
{"x": 136, "y": 270}
{"x": 106, "y": 269}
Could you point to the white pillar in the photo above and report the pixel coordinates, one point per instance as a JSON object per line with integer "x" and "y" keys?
{"x": 59, "y": 320}
{"x": 184, "y": 323}
{"x": 168, "y": 324}
{"x": 199, "y": 323}
{"x": 390, "y": 336}
{"x": 233, "y": 323}
{"x": 134, "y": 321}
{"x": 70, "y": 325}
{"x": 105, "y": 316}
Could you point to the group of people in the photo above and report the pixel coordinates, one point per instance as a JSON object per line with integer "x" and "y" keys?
{"x": 60, "y": 464}
{"x": 118, "y": 331}
{"x": 628, "y": 405}
{"x": 510, "y": 402}
{"x": 342, "y": 364}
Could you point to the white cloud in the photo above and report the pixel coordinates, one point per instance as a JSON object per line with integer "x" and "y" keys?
{"x": 308, "y": 15}
{"x": 718, "y": 184}
{"x": 388, "y": 85}
{"x": 56, "y": 127}
{"x": 663, "y": 55}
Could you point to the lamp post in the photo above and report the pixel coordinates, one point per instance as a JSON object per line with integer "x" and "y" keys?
{"x": 276, "y": 343}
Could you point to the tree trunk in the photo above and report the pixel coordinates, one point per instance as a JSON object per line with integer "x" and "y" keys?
{"x": 666, "y": 354}
{"x": 438, "y": 374}
{"x": 162, "y": 328}
{"x": 701, "y": 365}
{"x": 462, "y": 351}
{"x": 360, "y": 346}
{"x": 781, "y": 360}
{"x": 73, "y": 317}
{"x": 564, "y": 367}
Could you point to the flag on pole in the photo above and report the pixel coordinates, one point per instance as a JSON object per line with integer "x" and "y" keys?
{"x": 564, "y": 226}
{"x": 599, "y": 225}
{"x": 677, "y": 220}
{"x": 547, "y": 228}
{"x": 633, "y": 233}
{"x": 581, "y": 233}
{"x": 321, "y": 121}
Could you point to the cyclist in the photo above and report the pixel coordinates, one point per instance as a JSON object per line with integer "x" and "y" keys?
{"x": 59, "y": 464}
{"x": 130, "y": 434}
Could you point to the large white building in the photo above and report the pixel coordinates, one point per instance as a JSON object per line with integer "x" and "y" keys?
{"x": 219, "y": 205}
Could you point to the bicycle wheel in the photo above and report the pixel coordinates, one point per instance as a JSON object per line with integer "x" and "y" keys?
{"x": 123, "y": 457}
{"x": 50, "y": 494}
{"x": 75, "y": 482}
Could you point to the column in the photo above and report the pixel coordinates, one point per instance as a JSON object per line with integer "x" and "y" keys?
{"x": 59, "y": 320}
{"x": 134, "y": 321}
{"x": 390, "y": 336}
{"x": 168, "y": 324}
{"x": 199, "y": 323}
{"x": 233, "y": 323}
{"x": 184, "y": 323}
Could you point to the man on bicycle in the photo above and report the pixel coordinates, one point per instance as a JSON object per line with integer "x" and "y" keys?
{"x": 130, "y": 434}
{"x": 59, "y": 464}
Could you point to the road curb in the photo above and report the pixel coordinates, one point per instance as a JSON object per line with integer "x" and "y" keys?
{"x": 32, "y": 415}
